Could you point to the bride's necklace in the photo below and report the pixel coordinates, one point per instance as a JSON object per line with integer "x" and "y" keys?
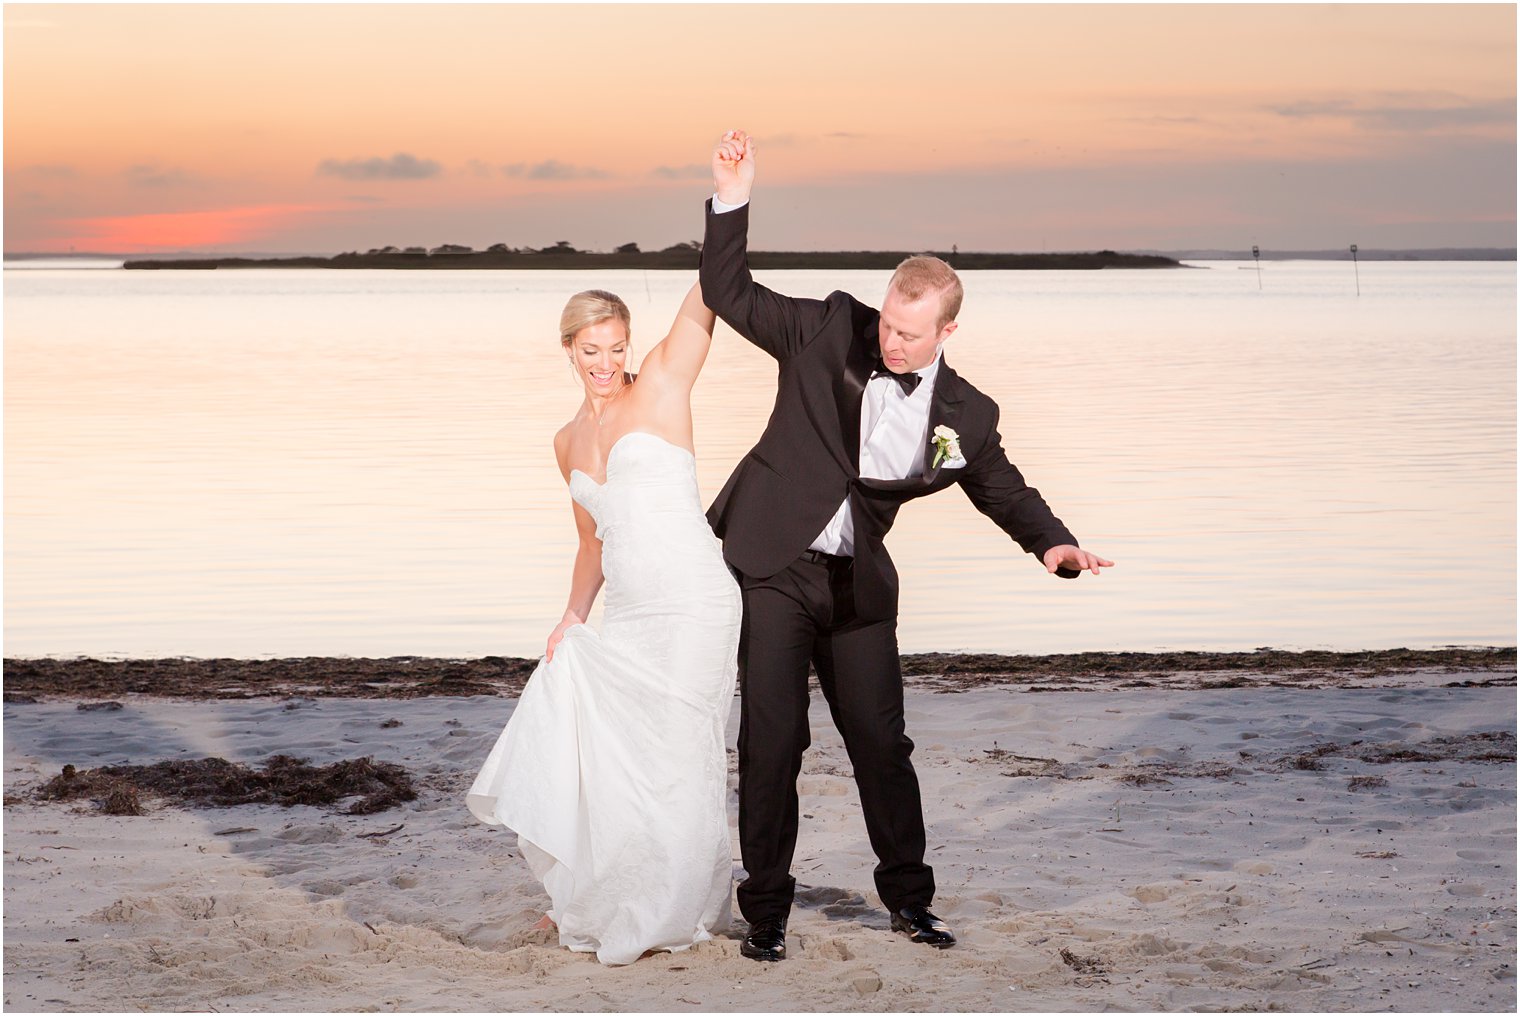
{"x": 601, "y": 417}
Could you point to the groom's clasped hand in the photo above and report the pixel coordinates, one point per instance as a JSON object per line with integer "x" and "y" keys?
{"x": 733, "y": 165}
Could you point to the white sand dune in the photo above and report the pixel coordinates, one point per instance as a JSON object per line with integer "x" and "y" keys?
{"x": 1151, "y": 850}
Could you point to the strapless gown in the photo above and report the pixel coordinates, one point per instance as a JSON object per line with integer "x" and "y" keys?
{"x": 612, "y": 769}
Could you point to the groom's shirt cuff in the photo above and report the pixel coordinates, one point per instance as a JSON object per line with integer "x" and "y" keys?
{"x": 720, "y": 206}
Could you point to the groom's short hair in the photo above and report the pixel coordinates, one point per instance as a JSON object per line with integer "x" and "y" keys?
{"x": 922, "y": 274}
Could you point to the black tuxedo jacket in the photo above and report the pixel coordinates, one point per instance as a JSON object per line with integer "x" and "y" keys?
{"x": 808, "y": 459}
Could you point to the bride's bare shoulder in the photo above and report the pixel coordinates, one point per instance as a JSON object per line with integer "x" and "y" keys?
{"x": 564, "y": 439}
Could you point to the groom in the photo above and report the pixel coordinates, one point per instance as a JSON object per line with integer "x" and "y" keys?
{"x": 868, "y": 415}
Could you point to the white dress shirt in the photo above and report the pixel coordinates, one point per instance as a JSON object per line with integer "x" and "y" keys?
{"x": 894, "y": 434}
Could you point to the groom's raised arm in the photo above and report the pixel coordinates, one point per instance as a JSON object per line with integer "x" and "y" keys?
{"x": 780, "y": 325}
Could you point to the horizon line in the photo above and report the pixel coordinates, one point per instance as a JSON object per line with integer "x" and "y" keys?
{"x": 1245, "y": 251}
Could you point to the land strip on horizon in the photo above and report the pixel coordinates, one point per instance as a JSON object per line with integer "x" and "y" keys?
{"x": 682, "y": 258}
{"x": 1191, "y": 254}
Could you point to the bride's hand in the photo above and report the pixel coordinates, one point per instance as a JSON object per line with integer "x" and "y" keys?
{"x": 558, "y": 633}
{"x": 733, "y": 166}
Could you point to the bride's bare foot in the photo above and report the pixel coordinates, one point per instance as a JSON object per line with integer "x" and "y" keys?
{"x": 545, "y": 923}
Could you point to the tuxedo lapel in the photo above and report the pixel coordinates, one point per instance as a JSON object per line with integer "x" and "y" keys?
{"x": 945, "y": 407}
{"x": 850, "y": 392}
{"x": 944, "y": 411}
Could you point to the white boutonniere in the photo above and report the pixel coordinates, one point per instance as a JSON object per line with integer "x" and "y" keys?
{"x": 947, "y": 445}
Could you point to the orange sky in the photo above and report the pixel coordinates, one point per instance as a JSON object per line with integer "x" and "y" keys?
{"x": 326, "y": 128}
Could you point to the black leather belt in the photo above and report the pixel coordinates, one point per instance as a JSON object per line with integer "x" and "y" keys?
{"x": 819, "y": 557}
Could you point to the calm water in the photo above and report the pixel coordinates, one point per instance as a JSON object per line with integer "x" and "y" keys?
{"x": 308, "y": 462}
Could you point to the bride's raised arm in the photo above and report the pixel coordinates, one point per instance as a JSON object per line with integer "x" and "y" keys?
{"x": 678, "y": 357}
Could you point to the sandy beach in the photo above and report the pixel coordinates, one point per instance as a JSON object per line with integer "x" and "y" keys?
{"x": 1325, "y": 836}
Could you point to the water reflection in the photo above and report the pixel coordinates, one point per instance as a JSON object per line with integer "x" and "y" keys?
{"x": 308, "y": 462}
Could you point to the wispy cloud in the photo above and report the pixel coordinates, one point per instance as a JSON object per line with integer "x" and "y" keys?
{"x": 156, "y": 176}
{"x": 401, "y": 166}
{"x": 553, "y": 169}
{"x": 1162, "y": 119}
{"x": 50, "y": 171}
{"x": 1410, "y": 117}
{"x": 694, "y": 171}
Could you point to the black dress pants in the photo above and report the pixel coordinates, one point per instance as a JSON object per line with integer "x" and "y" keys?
{"x": 805, "y": 614}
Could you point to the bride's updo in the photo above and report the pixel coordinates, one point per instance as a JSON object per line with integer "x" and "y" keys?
{"x": 589, "y": 308}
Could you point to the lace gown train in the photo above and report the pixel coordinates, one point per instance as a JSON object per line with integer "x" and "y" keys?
{"x": 612, "y": 769}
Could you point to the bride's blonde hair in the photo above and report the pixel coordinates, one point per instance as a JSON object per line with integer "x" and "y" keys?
{"x": 589, "y": 308}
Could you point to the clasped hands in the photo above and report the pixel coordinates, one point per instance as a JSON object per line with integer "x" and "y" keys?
{"x": 733, "y": 166}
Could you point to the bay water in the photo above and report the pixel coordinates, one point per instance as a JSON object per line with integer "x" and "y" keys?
{"x": 305, "y": 462}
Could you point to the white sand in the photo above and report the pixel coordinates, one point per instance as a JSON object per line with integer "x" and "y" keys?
{"x": 1265, "y": 886}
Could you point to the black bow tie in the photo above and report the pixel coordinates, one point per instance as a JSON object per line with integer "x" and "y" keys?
{"x": 907, "y": 382}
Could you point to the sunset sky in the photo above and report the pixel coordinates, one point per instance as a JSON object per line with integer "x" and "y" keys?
{"x": 283, "y": 128}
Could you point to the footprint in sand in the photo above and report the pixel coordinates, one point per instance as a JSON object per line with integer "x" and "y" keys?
{"x": 828, "y": 949}
{"x": 311, "y": 834}
{"x": 509, "y": 937}
{"x": 459, "y": 750}
{"x": 866, "y": 981}
{"x": 1169, "y": 754}
{"x": 1151, "y": 893}
{"x": 822, "y": 895}
{"x": 325, "y": 887}
{"x": 1217, "y": 864}
{"x": 832, "y": 901}
{"x": 1257, "y": 956}
{"x": 1149, "y": 945}
{"x": 823, "y": 786}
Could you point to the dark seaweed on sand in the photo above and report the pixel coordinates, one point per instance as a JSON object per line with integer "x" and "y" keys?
{"x": 406, "y": 677}
{"x": 1479, "y": 746}
{"x": 217, "y": 783}
{"x": 397, "y": 677}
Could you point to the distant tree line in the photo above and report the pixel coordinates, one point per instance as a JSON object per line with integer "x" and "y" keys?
{"x": 681, "y": 256}
{"x": 559, "y": 247}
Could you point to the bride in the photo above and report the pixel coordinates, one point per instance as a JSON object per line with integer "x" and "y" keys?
{"x": 612, "y": 769}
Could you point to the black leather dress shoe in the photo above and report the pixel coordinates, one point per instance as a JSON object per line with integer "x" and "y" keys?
{"x": 766, "y": 940}
{"x": 922, "y": 926}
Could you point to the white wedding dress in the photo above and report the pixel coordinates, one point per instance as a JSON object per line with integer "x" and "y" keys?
{"x": 612, "y": 768}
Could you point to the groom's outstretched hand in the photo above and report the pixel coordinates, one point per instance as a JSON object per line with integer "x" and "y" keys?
{"x": 1075, "y": 558}
{"x": 733, "y": 165}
